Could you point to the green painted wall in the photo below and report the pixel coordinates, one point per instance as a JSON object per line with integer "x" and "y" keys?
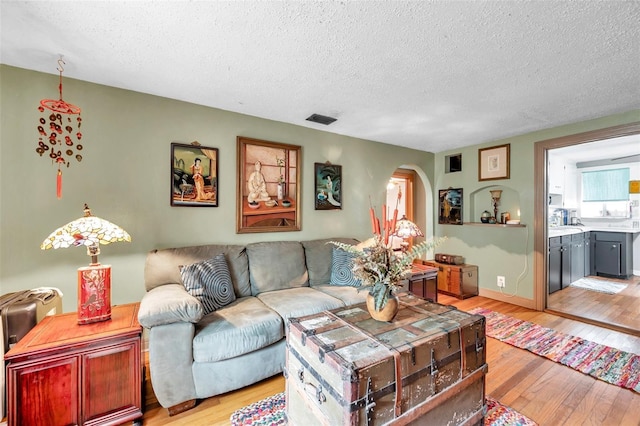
{"x": 496, "y": 250}
{"x": 125, "y": 178}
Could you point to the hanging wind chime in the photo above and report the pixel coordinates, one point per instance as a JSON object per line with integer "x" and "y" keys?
{"x": 58, "y": 136}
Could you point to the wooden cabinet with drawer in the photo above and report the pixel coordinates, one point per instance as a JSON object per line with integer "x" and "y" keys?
{"x": 460, "y": 281}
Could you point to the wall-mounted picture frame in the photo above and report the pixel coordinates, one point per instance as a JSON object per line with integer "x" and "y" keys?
{"x": 268, "y": 190}
{"x": 328, "y": 184}
{"x": 194, "y": 175}
{"x": 493, "y": 162}
{"x": 450, "y": 206}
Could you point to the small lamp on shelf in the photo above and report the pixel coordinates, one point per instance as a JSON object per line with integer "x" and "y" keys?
{"x": 495, "y": 199}
{"x": 94, "y": 281}
{"x": 406, "y": 229}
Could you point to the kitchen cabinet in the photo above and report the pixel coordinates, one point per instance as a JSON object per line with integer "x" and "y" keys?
{"x": 559, "y": 262}
{"x": 577, "y": 256}
{"x": 612, "y": 254}
{"x": 555, "y": 176}
{"x": 570, "y": 189}
{"x": 587, "y": 253}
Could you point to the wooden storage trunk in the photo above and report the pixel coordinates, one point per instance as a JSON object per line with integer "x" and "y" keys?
{"x": 460, "y": 281}
{"x": 343, "y": 367}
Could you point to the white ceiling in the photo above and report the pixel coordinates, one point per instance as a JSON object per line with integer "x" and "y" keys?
{"x": 431, "y": 75}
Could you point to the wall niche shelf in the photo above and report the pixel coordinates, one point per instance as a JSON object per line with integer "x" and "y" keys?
{"x": 501, "y": 225}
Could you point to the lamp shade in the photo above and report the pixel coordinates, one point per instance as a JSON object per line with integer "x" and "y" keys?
{"x": 86, "y": 231}
{"x": 94, "y": 281}
{"x": 406, "y": 229}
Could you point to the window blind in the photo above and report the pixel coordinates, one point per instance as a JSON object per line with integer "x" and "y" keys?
{"x": 605, "y": 185}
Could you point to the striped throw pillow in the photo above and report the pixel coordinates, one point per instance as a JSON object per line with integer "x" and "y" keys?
{"x": 342, "y": 268}
{"x": 209, "y": 281}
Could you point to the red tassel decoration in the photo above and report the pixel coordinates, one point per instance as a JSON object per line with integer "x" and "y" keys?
{"x": 59, "y": 184}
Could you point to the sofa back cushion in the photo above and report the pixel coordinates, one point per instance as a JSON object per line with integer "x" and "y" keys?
{"x": 163, "y": 266}
{"x": 318, "y": 254}
{"x": 276, "y": 265}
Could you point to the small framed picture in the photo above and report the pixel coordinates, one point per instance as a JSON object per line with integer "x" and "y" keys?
{"x": 194, "y": 175}
{"x": 450, "y": 202}
{"x": 493, "y": 163}
{"x": 328, "y": 180}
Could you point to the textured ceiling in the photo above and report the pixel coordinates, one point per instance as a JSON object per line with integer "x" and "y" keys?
{"x": 431, "y": 75}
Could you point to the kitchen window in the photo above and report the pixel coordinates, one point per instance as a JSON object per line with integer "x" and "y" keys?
{"x": 605, "y": 193}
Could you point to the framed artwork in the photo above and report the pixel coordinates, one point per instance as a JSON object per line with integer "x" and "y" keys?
{"x": 493, "y": 163}
{"x": 450, "y": 203}
{"x": 194, "y": 175}
{"x": 268, "y": 186}
{"x": 328, "y": 180}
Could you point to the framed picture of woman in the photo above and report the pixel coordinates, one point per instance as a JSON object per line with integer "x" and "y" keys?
{"x": 450, "y": 201}
{"x": 268, "y": 186}
{"x": 328, "y": 180}
{"x": 194, "y": 175}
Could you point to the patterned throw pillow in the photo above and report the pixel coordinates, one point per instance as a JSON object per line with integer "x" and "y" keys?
{"x": 209, "y": 281}
{"x": 341, "y": 268}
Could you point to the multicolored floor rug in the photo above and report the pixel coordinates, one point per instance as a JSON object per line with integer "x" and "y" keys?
{"x": 271, "y": 411}
{"x": 601, "y": 286}
{"x": 602, "y": 362}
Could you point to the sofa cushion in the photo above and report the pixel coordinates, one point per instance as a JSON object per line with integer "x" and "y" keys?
{"x": 162, "y": 266}
{"x": 168, "y": 304}
{"x": 342, "y": 268}
{"x": 318, "y": 258}
{"x": 349, "y": 295}
{"x": 276, "y": 265}
{"x": 244, "y": 326}
{"x": 298, "y": 302}
{"x": 209, "y": 281}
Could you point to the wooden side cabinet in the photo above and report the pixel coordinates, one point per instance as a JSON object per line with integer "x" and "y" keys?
{"x": 62, "y": 373}
{"x": 423, "y": 281}
{"x": 460, "y": 281}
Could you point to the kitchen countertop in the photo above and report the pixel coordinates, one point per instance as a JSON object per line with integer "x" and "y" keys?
{"x": 558, "y": 231}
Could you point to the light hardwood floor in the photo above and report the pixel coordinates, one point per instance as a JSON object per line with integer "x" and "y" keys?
{"x": 619, "y": 311}
{"x": 547, "y": 392}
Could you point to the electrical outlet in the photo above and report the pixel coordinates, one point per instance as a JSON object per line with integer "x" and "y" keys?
{"x": 501, "y": 281}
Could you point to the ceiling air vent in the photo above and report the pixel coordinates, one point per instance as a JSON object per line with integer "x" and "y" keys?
{"x": 322, "y": 119}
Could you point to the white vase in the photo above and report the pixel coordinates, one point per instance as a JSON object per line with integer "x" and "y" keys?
{"x": 281, "y": 190}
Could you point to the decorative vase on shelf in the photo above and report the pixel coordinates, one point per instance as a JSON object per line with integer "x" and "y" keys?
{"x": 485, "y": 216}
{"x": 387, "y": 312}
{"x": 281, "y": 190}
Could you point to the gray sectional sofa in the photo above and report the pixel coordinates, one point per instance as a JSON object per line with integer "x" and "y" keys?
{"x": 194, "y": 356}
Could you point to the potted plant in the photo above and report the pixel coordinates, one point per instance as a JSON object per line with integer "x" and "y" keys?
{"x": 380, "y": 269}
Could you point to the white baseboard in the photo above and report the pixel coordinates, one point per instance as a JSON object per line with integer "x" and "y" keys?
{"x": 502, "y": 297}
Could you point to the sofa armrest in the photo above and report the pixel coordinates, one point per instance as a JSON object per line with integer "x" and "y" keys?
{"x": 168, "y": 304}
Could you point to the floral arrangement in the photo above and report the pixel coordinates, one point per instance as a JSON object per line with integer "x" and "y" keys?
{"x": 380, "y": 269}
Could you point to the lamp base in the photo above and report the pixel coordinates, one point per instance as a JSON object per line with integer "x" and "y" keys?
{"x": 94, "y": 293}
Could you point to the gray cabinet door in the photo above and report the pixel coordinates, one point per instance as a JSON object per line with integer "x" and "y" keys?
{"x": 608, "y": 257}
{"x": 577, "y": 260}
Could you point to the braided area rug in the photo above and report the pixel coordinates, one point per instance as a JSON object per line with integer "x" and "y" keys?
{"x": 600, "y": 361}
{"x": 271, "y": 412}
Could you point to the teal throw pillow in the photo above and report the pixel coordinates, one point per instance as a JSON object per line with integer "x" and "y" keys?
{"x": 209, "y": 281}
{"x": 342, "y": 268}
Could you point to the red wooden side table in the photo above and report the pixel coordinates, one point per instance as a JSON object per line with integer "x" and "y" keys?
{"x": 65, "y": 373}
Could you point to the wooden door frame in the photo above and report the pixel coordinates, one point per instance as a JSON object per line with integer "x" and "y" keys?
{"x": 540, "y": 225}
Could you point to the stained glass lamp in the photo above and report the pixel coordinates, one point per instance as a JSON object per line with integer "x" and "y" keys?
{"x": 94, "y": 281}
{"x": 406, "y": 229}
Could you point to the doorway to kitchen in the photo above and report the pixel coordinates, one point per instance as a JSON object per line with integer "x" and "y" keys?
{"x": 616, "y": 311}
